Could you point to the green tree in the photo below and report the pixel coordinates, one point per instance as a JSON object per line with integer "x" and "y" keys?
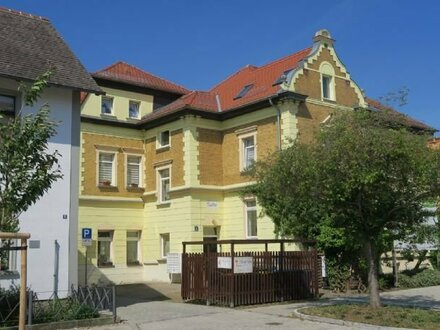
{"x": 27, "y": 167}
{"x": 362, "y": 184}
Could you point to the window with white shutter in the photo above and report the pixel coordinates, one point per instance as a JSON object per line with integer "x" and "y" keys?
{"x": 106, "y": 169}
{"x": 134, "y": 171}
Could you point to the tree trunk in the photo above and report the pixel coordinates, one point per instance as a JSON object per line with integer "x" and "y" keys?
{"x": 373, "y": 283}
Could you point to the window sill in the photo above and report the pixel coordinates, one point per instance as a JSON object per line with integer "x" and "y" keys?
{"x": 329, "y": 100}
{"x": 251, "y": 237}
{"x": 162, "y": 260}
{"x": 134, "y": 264}
{"x": 163, "y": 204}
{"x": 163, "y": 148}
{"x": 106, "y": 266}
{"x": 135, "y": 189}
{"x": 105, "y": 187}
{"x": 108, "y": 115}
{"x": 131, "y": 119}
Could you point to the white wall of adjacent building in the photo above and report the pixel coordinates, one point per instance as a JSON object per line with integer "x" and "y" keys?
{"x": 53, "y": 220}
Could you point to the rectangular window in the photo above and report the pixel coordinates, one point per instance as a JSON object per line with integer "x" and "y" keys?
{"x": 251, "y": 219}
{"x": 106, "y": 105}
{"x": 105, "y": 242}
{"x": 164, "y": 185}
{"x": 326, "y": 87}
{"x": 133, "y": 109}
{"x": 133, "y": 238}
{"x": 248, "y": 151}
{"x": 164, "y": 139}
{"x": 7, "y": 103}
{"x": 106, "y": 169}
{"x": 164, "y": 245}
{"x": 8, "y": 258}
{"x": 134, "y": 164}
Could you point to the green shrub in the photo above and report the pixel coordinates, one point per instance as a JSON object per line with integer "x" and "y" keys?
{"x": 427, "y": 277}
{"x": 62, "y": 310}
{"x": 9, "y": 301}
{"x": 386, "y": 281}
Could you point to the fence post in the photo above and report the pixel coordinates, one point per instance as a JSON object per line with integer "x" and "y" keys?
{"x": 30, "y": 306}
{"x": 232, "y": 292}
{"x": 315, "y": 266}
{"x": 114, "y": 302}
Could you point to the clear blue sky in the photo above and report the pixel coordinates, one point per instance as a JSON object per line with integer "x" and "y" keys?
{"x": 384, "y": 44}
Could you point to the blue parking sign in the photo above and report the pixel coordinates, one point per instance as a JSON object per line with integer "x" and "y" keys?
{"x": 87, "y": 233}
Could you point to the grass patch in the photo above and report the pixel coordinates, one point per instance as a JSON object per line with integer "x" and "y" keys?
{"x": 391, "y": 316}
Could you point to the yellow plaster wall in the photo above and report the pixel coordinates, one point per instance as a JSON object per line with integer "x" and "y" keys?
{"x": 174, "y": 218}
{"x": 92, "y": 104}
{"x": 116, "y": 216}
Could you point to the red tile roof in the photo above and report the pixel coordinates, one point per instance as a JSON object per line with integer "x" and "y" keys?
{"x": 406, "y": 119}
{"x": 197, "y": 100}
{"x": 261, "y": 78}
{"x": 124, "y": 72}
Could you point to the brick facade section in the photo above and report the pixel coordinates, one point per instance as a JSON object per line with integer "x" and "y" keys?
{"x": 266, "y": 144}
{"x": 210, "y": 157}
{"x": 89, "y": 165}
{"x": 310, "y": 117}
{"x": 174, "y": 154}
{"x": 309, "y": 83}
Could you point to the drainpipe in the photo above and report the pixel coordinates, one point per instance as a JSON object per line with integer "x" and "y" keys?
{"x": 278, "y": 121}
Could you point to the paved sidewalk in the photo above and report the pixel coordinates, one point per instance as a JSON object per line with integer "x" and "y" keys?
{"x": 138, "y": 312}
{"x": 169, "y": 315}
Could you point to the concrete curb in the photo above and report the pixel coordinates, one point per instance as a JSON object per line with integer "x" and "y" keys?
{"x": 355, "y": 325}
{"x": 99, "y": 321}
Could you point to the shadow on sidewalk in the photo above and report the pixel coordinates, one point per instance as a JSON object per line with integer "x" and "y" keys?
{"x": 130, "y": 294}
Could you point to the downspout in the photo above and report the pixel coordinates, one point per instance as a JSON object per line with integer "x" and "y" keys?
{"x": 278, "y": 121}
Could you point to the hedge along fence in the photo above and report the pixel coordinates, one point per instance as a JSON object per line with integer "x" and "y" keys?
{"x": 83, "y": 303}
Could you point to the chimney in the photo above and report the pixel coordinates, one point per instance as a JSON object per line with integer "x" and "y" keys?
{"x": 323, "y": 37}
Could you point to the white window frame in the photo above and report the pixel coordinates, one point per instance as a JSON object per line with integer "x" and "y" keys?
{"x": 242, "y": 151}
{"x": 159, "y": 142}
{"x": 159, "y": 180}
{"x": 162, "y": 246}
{"x": 138, "y": 246}
{"x": 246, "y": 210}
{"x": 105, "y": 239}
{"x": 113, "y": 105}
{"x": 139, "y": 109}
{"x": 327, "y": 71}
{"x": 14, "y": 103}
{"x": 114, "y": 180}
{"x": 12, "y": 257}
{"x": 141, "y": 169}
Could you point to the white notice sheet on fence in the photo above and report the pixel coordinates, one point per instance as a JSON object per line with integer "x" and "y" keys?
{"x": 224, "y": 262}
{"x": 174, "y": 263}
{"x": 243, "y": 265}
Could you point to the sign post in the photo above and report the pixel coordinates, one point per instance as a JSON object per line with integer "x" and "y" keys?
{"x": 86, "y": 234}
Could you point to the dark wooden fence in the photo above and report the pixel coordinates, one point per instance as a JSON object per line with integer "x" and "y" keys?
{"x": 275, "y": 276}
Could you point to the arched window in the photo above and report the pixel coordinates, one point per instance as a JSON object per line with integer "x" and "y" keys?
{"x": 327, "y": 82}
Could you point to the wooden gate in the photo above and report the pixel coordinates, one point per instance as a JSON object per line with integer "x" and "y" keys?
{"x": 269, "y": 276}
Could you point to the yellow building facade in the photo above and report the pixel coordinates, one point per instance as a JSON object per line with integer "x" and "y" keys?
{"x": 161, "y": 165}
